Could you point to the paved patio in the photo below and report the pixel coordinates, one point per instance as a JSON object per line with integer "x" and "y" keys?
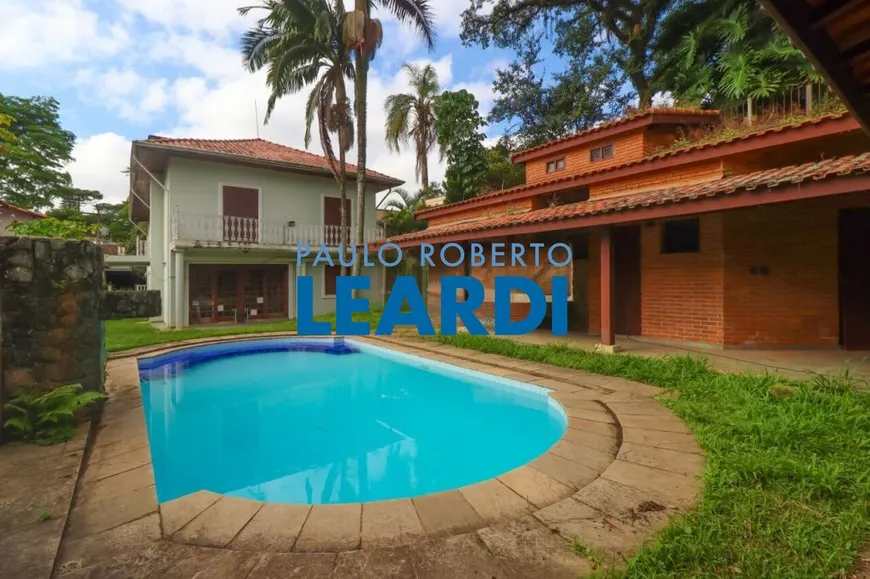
{"x": 790, "y": 363}
{"x": 624, "y": 466}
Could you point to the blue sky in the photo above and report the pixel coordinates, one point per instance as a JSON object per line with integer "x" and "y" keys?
{"x": 123, "y": 69}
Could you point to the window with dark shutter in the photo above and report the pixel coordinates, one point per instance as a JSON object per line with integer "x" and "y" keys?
{"x": 330, "y": 275}
{"x": 683, "y": 236}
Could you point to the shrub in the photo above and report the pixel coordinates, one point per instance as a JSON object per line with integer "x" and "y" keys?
{"x": 48, "y": 418}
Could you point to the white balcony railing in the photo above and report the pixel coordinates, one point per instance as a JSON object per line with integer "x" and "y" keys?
{"x": 227, "y": 229}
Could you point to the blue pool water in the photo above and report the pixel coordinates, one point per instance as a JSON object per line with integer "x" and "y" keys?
{"x": 322, "y": 425}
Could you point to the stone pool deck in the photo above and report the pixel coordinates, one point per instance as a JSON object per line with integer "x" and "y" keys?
{"x": 624, "y": 466}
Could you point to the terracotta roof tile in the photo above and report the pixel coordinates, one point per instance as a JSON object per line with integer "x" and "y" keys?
{"x": 621, "y": 121}
{"x": 768, "y": 179}
{"x": 650, "y": 158}
{"x": 257, "y": 149}
{"x": 30, "y": 212}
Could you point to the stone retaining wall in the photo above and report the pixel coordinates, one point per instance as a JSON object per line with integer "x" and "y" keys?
{"x": 51, "y": 314}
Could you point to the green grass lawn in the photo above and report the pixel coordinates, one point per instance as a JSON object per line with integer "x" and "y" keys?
{"x": 787, "y": 483}
{"x": 136, "y": 333}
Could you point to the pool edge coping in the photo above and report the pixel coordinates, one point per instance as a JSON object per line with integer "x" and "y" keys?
{"x": 210, "y": 519}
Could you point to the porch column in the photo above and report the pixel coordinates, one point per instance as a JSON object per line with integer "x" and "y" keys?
{"x": 608, "y": 339}
{"x": 180, "y": 283}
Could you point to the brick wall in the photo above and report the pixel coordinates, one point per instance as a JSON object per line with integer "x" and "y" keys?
{"x": 663, "y": 179}
{"x": 796, "y": 303}
{"x": 627, "y": 147}
{"x": 682, "y": 293}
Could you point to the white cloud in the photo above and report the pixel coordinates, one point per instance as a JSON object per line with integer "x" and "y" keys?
{"x": 37, "y": 34}
{"x": 131, "y": 96}
{"x": 98, "y": 163}
{"x": 186, "y": 70}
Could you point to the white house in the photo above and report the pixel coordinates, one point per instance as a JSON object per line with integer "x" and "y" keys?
{"x": 12, "y": 214}
{"x": 225, "y": 218}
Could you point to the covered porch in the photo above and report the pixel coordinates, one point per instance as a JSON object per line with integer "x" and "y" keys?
{"x": 768, "y": 261}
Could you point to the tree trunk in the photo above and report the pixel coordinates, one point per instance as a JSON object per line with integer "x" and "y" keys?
{"x": 360, "y": 89}
{"x": 344, "y": 233}
{"x": 424, "y": 172}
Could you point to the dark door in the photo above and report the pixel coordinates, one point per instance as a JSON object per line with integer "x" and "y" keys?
{"x": 241, "y": 207}
{"x": 332, "y": 219}
{"x": 626, "y": 280}
{"x": 855, "y": 279}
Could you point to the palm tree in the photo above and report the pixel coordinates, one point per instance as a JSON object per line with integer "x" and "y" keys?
{"x": 363, "y": 35}
{"x": 301, "y": 43}
{"x": 412, "y": 117}
{"x": 400, "y": 209}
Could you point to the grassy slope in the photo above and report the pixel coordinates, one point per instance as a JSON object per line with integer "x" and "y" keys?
{"x": 787, "y": 484}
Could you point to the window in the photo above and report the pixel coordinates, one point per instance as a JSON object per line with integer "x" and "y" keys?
{"x": 330, "y": 275}
{"x": 556, "y": 165}
{"x": 601, "y": 153}
{"x": 682, "y": 236}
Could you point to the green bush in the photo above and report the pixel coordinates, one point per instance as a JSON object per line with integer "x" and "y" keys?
{"x": 48, "y": 418}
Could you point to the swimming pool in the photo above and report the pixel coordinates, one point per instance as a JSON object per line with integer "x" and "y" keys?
{"x": 296, "y": 420}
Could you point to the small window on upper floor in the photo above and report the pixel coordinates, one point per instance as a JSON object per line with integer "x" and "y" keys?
{"x": 683, "y": 236}
{"x": 556, "y": 165}
{"x": 601, "y": 153}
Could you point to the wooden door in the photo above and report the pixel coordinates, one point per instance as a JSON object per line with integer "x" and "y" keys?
{"x": 241, "y": 212}
{"x": 854, "y": 262}
{"x": 332, "y": 219}
{"x": 626, "y": 280}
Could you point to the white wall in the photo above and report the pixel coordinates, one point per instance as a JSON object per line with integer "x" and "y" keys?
{"x": 285, "y": 196}
{"x": 195, "y": 187}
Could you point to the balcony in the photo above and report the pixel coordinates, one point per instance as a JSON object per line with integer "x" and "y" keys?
{"x": 204, "y": 230}
{"x": 117, "y": 255}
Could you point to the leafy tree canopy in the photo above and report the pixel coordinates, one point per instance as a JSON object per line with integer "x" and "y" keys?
{"x": 34, "y": 149}
{"x": 458, "y": 125}
{"x": 628, "y": 31}
{"x": 728, "y": 51}
{"x": 500, "y": 172}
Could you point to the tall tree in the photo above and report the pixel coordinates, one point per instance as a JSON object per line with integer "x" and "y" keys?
{"x": 458, "y": 125}
{"x": 729, "y": 51}
{"x": 411, "y": 117}
{"x": 500, "y": 172}
{"x": 35, "y": 150}
{"x": 630, "y": 27}
{"x": 536, "y": 107}
{"x": 300, "y": 42}
{"x": 363, "y": 35}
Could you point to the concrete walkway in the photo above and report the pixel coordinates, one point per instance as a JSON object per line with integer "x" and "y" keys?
{"x": 790, "y": 363}
{"x": 625, "y": 465}
{"x": 36, "y": 489}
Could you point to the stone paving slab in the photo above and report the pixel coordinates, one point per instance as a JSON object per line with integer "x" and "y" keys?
{"x": 446, "y": 513}
{"x": 178, "y": 512}
{"x": 661, "y": 439}
{"x": 219, "y": 524}
{"x": 494, "y": 501}
{"x": 535, "y": 486}
{"x": 679, "y": 462}
{"x": 503, "y": 527}
{"x": 390, "y": 524}
{"x": 331, "y": 528}
{"x": 567, "y": 472}
{"x": 593, "y": 529}
{"x": 275, "y": 528}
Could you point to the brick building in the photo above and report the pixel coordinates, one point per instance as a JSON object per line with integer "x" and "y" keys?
{"x": 760, "y": 240}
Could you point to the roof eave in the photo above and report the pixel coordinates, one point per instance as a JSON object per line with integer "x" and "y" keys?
{"x": 835, "y": 185}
